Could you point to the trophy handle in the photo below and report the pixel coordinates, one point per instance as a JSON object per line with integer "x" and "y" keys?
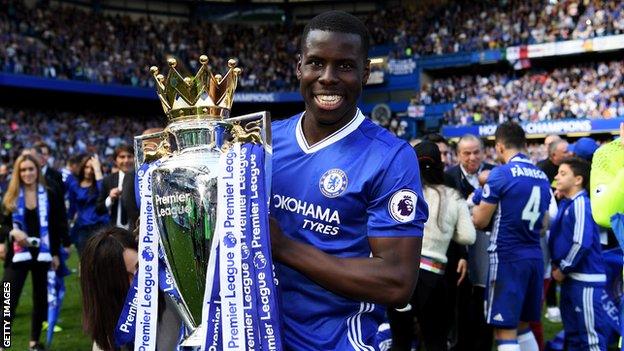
{"x": 253, "y": 127}
{"x": 256, "y": 128}
{"x": 151, "y": 147}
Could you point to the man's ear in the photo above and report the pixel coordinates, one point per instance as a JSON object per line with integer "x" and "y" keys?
{"x": 366, "y": 72}
{"x": 578, "y": 180}
{"x": 298, "y": 70}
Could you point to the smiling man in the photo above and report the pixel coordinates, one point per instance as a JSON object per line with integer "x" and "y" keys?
{"x": 347, "y": 200}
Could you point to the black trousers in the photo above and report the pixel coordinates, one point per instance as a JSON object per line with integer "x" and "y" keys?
{"x": 428, "y": 306}
{"x": 551, "y": 294}
{"x": 15, "y": 274}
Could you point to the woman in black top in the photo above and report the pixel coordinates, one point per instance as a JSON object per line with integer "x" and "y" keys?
{"x": 31, "y": 227}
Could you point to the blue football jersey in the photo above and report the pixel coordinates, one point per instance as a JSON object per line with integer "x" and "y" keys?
{"x": 357, "y": 183}
{"x": 522, "y": 193}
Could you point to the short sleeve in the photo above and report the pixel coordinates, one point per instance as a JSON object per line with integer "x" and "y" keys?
{"x": 493, "y": 189}
{"x": 396, "y": 206}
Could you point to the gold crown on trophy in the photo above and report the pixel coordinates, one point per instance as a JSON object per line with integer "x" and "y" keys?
{"x": 203, "y": 96}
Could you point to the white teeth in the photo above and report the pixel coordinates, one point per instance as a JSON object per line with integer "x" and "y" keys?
{"x": 329, "y": 98}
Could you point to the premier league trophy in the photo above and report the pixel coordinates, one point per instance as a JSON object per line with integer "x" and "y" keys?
{"x": 184, "y": 183}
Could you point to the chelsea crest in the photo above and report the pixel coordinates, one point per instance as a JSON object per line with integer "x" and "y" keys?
{"x": 333, "y": 182}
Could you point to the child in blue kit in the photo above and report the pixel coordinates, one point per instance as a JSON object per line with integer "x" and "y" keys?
{"x": 577, "y": 260}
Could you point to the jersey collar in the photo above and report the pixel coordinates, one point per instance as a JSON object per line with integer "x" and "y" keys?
{"x": 330, "y": 139}
{"x": 520, "y": 158}
{"x": 580, "y": 193}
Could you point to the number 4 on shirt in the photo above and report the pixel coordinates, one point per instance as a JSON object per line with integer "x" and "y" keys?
{"x": 531, "y": 211}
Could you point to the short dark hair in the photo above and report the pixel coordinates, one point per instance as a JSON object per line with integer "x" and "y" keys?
{"x": 76, "y": 159}
{"x": 121, "y": 148}
{"x": 436, "y": 138}
{"x": 341, "y": 22}
{"x": 39, "y": 146}
{"x": 579, "y": 167}
{"x": 511, "y": 135}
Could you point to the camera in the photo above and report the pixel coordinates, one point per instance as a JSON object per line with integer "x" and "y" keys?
{"x": 33, "y": 242}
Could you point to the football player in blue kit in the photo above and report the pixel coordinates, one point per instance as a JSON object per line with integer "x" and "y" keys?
{"x": 517, "y": 194}
{"x": 347, "y": 200}
{"x": 577, "y": 260}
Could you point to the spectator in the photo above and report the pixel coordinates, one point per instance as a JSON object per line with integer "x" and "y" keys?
{"x": 583, "y": 148}
{"x": 472, "y": 331}
{"x": 109, "y": 262}
{"x": 443, "y": 146}
{"x": 30, "y": 231}
{"x": 83, "y": 194}
{"x": 449, "y": 220}
{"x": 557, "y": 152}
{"x": 110, "y": 197}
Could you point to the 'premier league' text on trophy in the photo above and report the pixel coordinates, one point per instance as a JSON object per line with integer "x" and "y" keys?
{"x": 201, "y": 170}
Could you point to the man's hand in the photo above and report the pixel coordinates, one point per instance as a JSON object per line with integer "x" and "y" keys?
{"x": 114, "y": 193}
{"x": 483, "y": 177}
{"x": 462, "y": 269}
{"x": 558, "y": 275}
{"x": 279, "y": 241}
{"x": 2, "y": 251}
{"x": 19, "y": 237}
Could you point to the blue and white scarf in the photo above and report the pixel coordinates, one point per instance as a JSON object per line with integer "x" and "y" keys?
{"x": 21, "y": 254}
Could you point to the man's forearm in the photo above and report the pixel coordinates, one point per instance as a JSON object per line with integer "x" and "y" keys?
{"x": 388, "y": 281}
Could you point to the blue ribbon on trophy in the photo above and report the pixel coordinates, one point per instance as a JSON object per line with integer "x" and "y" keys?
{"x": 247, "y": 303}
{"x": 145, "y": 304}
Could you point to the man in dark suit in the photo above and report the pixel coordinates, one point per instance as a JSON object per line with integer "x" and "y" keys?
{"x": 472, "y": 331}
{"x": 53, "y": 178}
{"x": 114, "y": 199}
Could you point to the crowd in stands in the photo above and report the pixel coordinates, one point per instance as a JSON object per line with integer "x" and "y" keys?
{"x": 70, "y": 133}
{"x": 82, "y": 45}
{"x": 66, "y": 133}
{"x": 461, "y": 26}
{"x": 79, "y": 44}
{"x": 593, "y": 90}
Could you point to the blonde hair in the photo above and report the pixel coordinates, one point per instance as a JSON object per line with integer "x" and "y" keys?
{"x": 9, "y": 202}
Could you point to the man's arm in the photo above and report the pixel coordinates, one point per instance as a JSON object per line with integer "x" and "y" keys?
{"x": 388, "y": 277}
{"x": 100, "y": 205}
{"x": 482, "y": 214}
{"x": 582, "y": 230}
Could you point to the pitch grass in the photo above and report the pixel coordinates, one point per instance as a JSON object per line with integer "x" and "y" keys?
{"x": 72, "y": 337}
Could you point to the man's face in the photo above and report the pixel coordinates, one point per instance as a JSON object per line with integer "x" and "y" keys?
{"x": 550, "y": 139}
{"x": 444, "y": 154}
{"x": 44, "y": 156}
{"x": 470, "y": 155}
{"x": 561, "y": 152}
{"x": 124, "y": 161}
{"x": 331, "y": 71}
